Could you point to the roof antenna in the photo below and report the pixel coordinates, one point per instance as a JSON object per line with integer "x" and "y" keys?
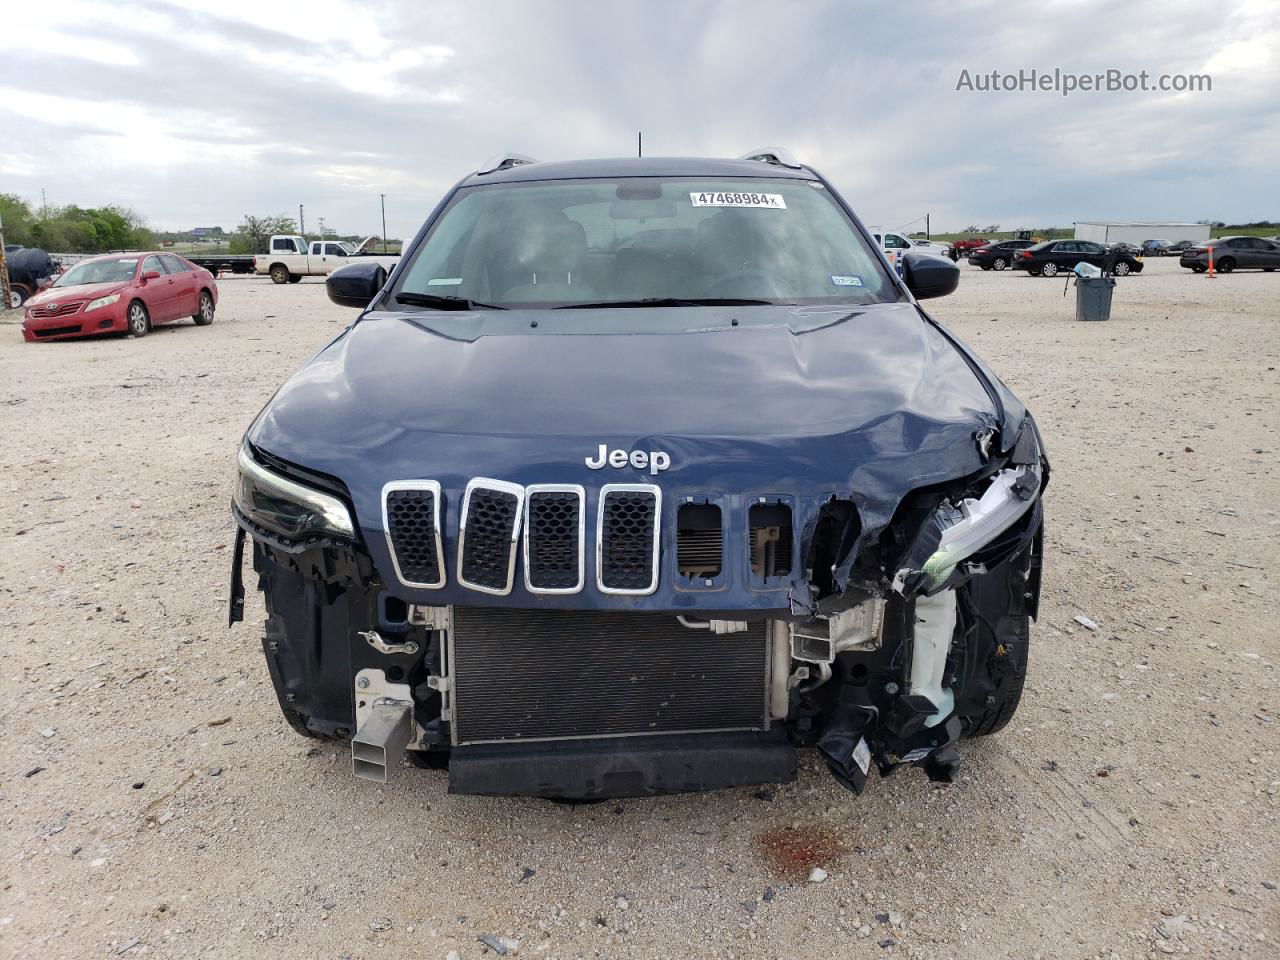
{"x": 639, "y": 143}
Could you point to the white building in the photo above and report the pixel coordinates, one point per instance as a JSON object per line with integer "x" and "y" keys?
{"x": 1136, "y": 231}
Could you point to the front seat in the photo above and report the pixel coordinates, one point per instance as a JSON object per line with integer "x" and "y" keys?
{"x": 545, "y": 259}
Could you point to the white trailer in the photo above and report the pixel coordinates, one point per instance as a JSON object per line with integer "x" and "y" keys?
{"x": 1136, "y": 231}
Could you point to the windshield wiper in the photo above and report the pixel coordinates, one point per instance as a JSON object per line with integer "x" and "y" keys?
{"x": 670, "y": 302}
{"x": 443, "y": 303}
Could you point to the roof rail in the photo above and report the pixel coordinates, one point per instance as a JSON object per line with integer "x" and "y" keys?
{"x": 779, "y": 158}
{"x": 504, "y": 161}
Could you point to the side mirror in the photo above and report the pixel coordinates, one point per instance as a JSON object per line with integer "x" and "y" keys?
{"x": 355, "y": 284}
{"x": 928, "y": 276}
{"x": 151, "y": 275}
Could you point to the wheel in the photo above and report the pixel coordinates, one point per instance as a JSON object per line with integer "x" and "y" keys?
{"x": 986, "y": 267}
{"x": 1033, "y": 271}
{"x": 999, "y": 263}
{"x": 1268, "y": 269}
{"x": 204, "y": 312}
{"x": 279, "y": 273}
{"x": 1225, "y": 265}
{"x": 138, "y": 322}
{"x": 994, "y": 631}
{"x": 1198, "y": 269}
{"x": 17, "y": 297}
{"x": 1050, "y": 269}
{"x": 1121, "y": 269}
{"x": 295, "y": 278}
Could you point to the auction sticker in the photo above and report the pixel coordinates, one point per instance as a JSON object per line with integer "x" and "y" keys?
{"x": 846, "y": 281}
{"x": 768, "y": 201}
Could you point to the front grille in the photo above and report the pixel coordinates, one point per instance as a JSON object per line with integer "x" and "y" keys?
{"x": 546, "y": 675}
{"x": 554, "y": 539}
{"x": 627, "y": 538}
{"x": 699, "y": 546}
{"x": 487, "y": 535}
{"x": 57, "y": 331}
{"x": 43, "y": 310}
{"x": 411, "y": 515}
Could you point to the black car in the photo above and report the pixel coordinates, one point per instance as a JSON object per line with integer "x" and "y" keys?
{"x": 636, "y": 476}
{"x": 998, "y": 255}
{"x": 1052, "y": 257}
{"x": 1233, "y": 253}
{"x": 1176, "y": 248}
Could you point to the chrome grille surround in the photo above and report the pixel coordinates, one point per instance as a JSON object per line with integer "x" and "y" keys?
{"x": 419, "y": 486}
{"x": 606, "y": 491}
{"x": 514, "y": 490}
{"x": 580, "y": 493}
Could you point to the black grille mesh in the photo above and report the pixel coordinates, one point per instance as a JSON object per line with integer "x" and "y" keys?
{"x": 626, "y": 538}
{"x": 554, "y": 518}
{"x": 411, "y": 524}
{"x": 487, "y": 541}
{"x": 521, "y": 674}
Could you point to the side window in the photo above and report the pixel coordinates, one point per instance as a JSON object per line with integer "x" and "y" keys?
{"x": 895, "y": 242}
{"x": 1090, "y": 248}
{"x": 1067, "y": 246}
{"x": 282, "y": 245}
{"x": 172, "y": 263}
{"x": 332, "y": 250}
{"x": 153, "y": 263}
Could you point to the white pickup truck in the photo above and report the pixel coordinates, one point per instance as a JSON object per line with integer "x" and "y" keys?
{"x": 290, "y": 259}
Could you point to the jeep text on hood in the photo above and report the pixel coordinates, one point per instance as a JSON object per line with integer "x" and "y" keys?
{"x": 634, "y": 477}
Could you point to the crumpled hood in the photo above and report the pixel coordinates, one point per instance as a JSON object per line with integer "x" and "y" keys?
{"x": 868, "y": 404}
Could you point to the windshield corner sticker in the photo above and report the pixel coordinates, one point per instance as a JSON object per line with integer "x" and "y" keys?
{"x": 444, "y": 282}
{"x": 850, "y": 281}
{"x": 768, "y": 201}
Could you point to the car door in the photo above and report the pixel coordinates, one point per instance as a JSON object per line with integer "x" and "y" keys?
{"x": 1270, "y": 256}
{"x": 334, "y": 257}
{"x": 184, "y": 282}
{"x": 158, "y": 293}
{"x": 1251, "y": 252}
{"x": 1093, "y": 253}
{"x": 1063, "y": 253}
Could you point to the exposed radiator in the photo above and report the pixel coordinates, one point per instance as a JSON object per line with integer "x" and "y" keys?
{"x": 551, "y": 675}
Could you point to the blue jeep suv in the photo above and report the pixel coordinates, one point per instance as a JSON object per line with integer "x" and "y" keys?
{"x": 638, "y": 476}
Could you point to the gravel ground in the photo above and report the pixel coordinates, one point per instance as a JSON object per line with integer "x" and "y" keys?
{"x": 155, "y": 803}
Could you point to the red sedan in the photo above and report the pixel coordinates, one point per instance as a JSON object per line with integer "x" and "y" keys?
{"x": 121, "y": 293}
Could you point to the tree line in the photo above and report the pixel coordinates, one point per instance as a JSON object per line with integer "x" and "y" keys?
{"x": 73, "y": 229}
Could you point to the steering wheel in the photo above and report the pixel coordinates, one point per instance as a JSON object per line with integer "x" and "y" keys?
{"x": 739, "y": 286}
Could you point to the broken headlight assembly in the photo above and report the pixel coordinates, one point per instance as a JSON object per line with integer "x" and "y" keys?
{"x": 969, "y": 526}
{"x": 284, "y": 506}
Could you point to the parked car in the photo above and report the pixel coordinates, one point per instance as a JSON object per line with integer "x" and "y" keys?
{"x": 1175, "y": 249}
{"x": 1155, "y": 248}
{"x": 1052, "y": 256}
{"x": 129, "y": 293}
{"x": 635, "y": 476}
{"x": 998, "y": 255}
{"x": 290, "y": 258}
{"x": 1124, "y": 246}
{"x": 1233, "y": 253}
{"x": 962, "y": 248}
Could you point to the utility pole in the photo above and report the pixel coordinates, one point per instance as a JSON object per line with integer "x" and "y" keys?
{"x": 383, "y": 197}
{"x": 926, "y": 227}
{"x": 302, "y": 224}
{"x": 322, "y": 233}
{"x": 7, "y": 302}
{"x": 639, "y": 143}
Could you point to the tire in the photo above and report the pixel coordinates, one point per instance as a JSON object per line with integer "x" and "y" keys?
{"x": 17, "y": 296}
{"x": 204, "y": 311}
{"x": 1225, "y": 265}
{"x": 1198, "y": 269}
{"x": 1033, "y": 271}
{"x": 1050, "y": 269}
{"x": 279, "y": 273}
{"x": 137, "y": 320}
{"x": 999, "y": 263}
{"x": 1121, "y": 269}
{"x": 986, "y": 267}
{"x": 295, "y": 278}
{"x": 996, "y": 628}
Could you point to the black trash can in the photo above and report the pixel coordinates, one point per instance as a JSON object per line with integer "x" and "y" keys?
{"x": 1093, "y": 297}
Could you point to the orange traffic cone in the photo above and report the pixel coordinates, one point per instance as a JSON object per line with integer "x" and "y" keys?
{"x": 1211, "y": 274}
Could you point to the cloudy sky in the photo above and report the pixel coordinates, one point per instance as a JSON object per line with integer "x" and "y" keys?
{"x": 196, "y": 114}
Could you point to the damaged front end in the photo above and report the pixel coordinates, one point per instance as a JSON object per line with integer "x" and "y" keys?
{"x": 879, "y": 631}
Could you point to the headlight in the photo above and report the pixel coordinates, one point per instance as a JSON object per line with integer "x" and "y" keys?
{"x": 286, "y": 507}
{"x": 975, "y": 523}
{"x": 102, "y": 302}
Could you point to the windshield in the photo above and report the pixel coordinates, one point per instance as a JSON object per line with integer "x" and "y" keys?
{"x": 98, "y": 271}
{"x": 643, "y": 241}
